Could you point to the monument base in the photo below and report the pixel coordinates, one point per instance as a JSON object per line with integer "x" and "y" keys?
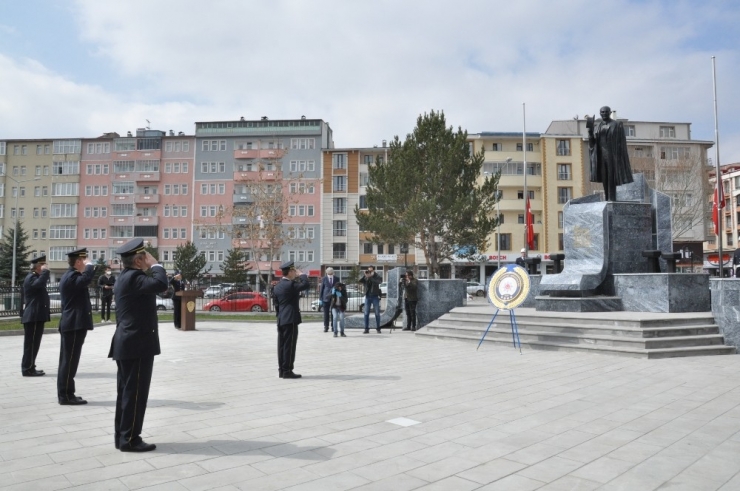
{"x": 597, "y": 303}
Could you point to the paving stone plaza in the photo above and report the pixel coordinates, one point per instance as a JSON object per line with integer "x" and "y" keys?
{"x": 390, "y": 411}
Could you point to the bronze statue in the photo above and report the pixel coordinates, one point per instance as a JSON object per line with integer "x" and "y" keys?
{"x": 607, "y": 148}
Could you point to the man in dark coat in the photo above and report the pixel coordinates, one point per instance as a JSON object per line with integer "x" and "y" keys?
{"x": 371, "y": 280}
{"x": 411, "y": 298}
{"x": 35, "y": 314}
{"x": 287, "y": 295}
{"x": 607, "y": 148}
{"x": 177, "y": 286}
{"x": 327, "y": 283}
{"x": 106, "y": 283}
{"x": 75, "y": 322}
{"x": 135, "y": 342}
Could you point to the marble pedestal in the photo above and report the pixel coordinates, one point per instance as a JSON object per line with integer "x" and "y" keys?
{"x": 726, "y": 308}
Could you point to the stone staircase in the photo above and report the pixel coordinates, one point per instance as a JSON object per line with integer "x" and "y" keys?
{"x": 636, "y": 334}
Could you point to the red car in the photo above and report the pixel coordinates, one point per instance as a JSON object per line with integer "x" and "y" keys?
{"x": 238, "y": 302}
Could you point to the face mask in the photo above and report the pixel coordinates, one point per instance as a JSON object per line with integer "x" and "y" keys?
{"x": 107, "y": 273}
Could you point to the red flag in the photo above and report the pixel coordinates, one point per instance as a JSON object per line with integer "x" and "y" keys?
{"x": 717, "y": 205}
{"x": 530, "y": 226}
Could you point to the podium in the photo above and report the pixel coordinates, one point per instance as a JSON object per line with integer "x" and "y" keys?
{"x": 187, "y": 308}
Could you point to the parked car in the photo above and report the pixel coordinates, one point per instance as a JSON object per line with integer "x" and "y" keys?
{"x": 55, "y": 300}
{"x": 384, "y": 289}
{"x": 355, "y": 302}
{"x": 213, "y": 292}
{"x": 475, "y": 288}
{"x": 238, "y": 302}
{"x": 162, "y": 304}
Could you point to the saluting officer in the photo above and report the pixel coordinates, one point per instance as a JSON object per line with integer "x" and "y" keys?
{"x": 287, "y": 296}
{"x": 177, "y": 286}
{"x": 135, "y": 342}
{"x": 75, "y": 322}
{"x": 35, "y": 314}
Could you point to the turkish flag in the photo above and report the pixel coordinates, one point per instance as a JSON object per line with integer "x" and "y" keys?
{"x": 530, "y": 226}
{"x": 717, "y": 205}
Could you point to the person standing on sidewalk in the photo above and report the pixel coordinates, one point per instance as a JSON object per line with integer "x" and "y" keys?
{"x": 371, "y": 280}
{"x": 327, "y": 284}
{"x": 75, "y": 322}
{"x": 177, "y": 286}
{"x": 338, "y": 307}
{"x": 105, "y": 283}
{"x": 411, "y": 298}
{"x": 287, "y": 295}
{"x": 135, "y": 342}
{"x": 35, "y": 314}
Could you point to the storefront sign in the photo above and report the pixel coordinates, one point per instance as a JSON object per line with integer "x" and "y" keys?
{"x": 392, "y": 258}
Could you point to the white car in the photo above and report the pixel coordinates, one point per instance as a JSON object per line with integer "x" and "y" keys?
{"x": 475, "y": 288}
{"x": 355, "y": 302}
{"x": 213, "y": 292}
{"x": 384, "y": 289}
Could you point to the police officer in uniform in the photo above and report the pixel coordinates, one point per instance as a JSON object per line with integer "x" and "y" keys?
{"x": 287, "y": 297}
{"x": 75, "y": 322}
{"x": 35, "y": 314}
{"x": 135, "y": 342}
{"x": 106, "y": 283}
{"x": 177, "y": 286}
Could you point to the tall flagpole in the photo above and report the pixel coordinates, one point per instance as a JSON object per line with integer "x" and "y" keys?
{"x": 718, "y": 173}
{"x": 524, "y": 148}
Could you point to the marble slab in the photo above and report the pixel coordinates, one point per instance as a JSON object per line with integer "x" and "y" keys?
{"x": 726, "y": 308}
{"x": 663, "y": 292}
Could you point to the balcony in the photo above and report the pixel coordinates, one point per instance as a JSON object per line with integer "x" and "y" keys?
{"x": 145, "y": 176}
{"x": 146, "y": 198}
{"x": 243, "y": 198}
{"x": 146, "y": 220}
{"x": 121, "y": 221}
{"x": 121, "y": 199}
{"x": 271, "y": 153}
{"x": 255, "y": 176}
{"x": 115, "y": 242}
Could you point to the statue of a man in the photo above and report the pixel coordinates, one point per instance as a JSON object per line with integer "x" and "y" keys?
{"x": 607, "y": 148}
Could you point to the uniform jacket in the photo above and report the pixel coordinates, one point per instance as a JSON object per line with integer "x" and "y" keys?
{"x": 372, "y": 284}
{"x": 520, "y": 261}
{"x": 137, "y": 329}
{"x": 36, "y": 298}
{"x": 177, "y": 287}
{"x": 76, "y": 308}
{"x": 326, "y": 287}
{"x": 105, "y": 281}
{"x": 287, "y": 295}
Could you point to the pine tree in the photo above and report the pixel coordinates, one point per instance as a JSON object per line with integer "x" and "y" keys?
{"x": 235, "y": 267}
{"x": 6, "y": 255}
{"x": 190, "y": 262}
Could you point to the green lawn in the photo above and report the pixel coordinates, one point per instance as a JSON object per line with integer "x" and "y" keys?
{"x": 14, "y": 324}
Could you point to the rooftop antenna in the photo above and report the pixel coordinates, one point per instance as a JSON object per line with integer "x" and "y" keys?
{"x": 147, "y": 124}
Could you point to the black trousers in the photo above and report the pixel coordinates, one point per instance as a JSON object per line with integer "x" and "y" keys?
{"x": 32, "y": 333}
{"x": 134, "y": 379}
{"x": 69, "y": 360}
{"x": 287, "y": 339}
{"x": 177, "y": 305}
{"x": 411, "y": 313}
{"x": 105, "y": 307}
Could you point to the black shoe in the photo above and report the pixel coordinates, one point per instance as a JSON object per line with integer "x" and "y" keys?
{"x": 291, "y": 375}
{"x": 413, "y": 329}
{"x": 335, "y": 335}
{"x": 366, "y": 331}
{"x": 117, "y": 441}
{"x": 140, "y": 446}
{"x": 406, "y": 329}
{"x": 72, "y": 401}
{"x": 281, "y": 374}
{"x": 377, "y": 330}
{"x": 343, "y": 335}
{"x": 32, "y": 372}
{"x": 326, "y": 329}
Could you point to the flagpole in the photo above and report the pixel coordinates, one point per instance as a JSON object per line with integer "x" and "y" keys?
{"x": 718, "y": 173}
{"x": 524, "y": 149}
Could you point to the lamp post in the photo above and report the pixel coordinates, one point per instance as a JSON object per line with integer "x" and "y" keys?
{"x": 15, "y": 225}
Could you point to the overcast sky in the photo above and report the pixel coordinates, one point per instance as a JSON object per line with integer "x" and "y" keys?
{"x": 369, "y": 68}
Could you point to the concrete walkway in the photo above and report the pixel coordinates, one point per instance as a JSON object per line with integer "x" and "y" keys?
{"x": 378, "y": 411}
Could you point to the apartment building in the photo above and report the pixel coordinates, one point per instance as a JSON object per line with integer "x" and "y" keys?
{"x": 258, "y": 190}
{"x": 729, "y": 221}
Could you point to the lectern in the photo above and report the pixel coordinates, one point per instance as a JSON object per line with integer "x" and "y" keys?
{"x": 187, "y": 308}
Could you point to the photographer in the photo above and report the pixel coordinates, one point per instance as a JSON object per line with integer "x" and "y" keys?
{"x": 410, "y": 297}
{"x": 371, "y": 280}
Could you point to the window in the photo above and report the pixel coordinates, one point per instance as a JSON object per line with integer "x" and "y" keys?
{"x": 367, "y": 248}
{"x": 24, "y": 149}
{"x": 58, "y": 253}
{"x": 339, "y": 161}
{"x": 564, "y": 195}
{"x": 505, "y": 243}
{"x": 212, "y": 167}
{"x": 364, "y": 178}
{"x": 340, "y": 205}
{"x": 668, "y": 132}
{"x": 303, "y": 143}
{"x": 2, "y": 148}
{"x": 560, "y": 219}
{"x": 339, "y": 251}
{"x": 530, "y": 147}
{"x": 63, "y": 210}
{"x": 123, "y": 166}
{"x": 213, "y": 145}
{"x": 381, "y": 248}
{"x": 38, "y": 170}
{"x": 564, "y": 172}
{"x": 674, "y": 153}
{"x": 563, "y": 147}
{"x": 65, "y": 189}
{"x": 363, "y": 202}
{"x": 123, "y": 187}
{"x": 63, "y": 232}
{"x": 560, "y": 242}
{"x": 629, "y": 130}
{"x": 497, "y": 147}
{"x": 520, "y": 218}
{"x": 122, "y": 210}
{"x": 67, "y": 146}
{"x": 98, "y": 147}
{"x": 339, "y": 183}
{"x": 520, "y": 194}
{"x": 340, "y": 228}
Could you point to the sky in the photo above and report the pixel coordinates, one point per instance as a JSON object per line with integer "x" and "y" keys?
{"x": 370, "y": 68}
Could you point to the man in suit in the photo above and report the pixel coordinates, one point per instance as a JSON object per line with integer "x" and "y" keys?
{"x": 106, "y": 283}
{"x": 327, "y": 283}
{"x": 287, "y": 295}
{"x": 35, "y": 314}
{"x": 177, "y": 286}
{"x": 520, "y": 261}
{"x": 75, "y": 322}
{"x": 135, "y": 342}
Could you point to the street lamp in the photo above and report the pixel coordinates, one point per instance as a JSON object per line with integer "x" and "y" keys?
{"x": 15, "y": 226}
